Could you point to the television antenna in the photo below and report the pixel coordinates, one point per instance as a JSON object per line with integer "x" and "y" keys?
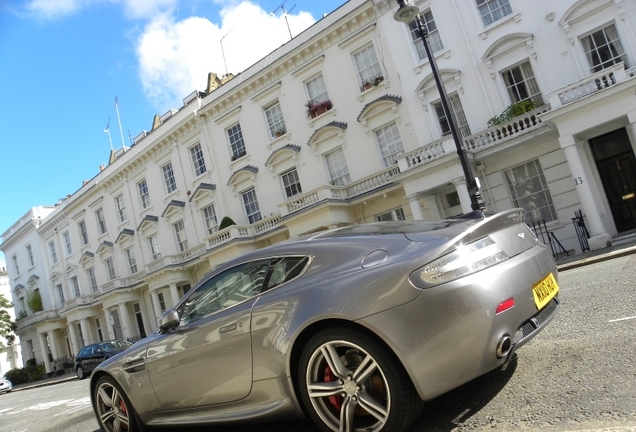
{"x": 285, "y": 13}
{"x": 223, "y": 52}
{"x": 107, "y": 130}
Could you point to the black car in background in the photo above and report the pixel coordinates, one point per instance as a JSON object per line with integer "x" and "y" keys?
{"x": 92, "y": 355}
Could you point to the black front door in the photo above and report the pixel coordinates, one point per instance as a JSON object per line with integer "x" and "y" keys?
{"x": 617, "y": 167}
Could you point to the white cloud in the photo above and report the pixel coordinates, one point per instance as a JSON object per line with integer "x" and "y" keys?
{"x": 176, "y": 56}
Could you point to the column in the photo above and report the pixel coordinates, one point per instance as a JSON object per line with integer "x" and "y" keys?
{"x": 464, "y": 196}
{"x": 599, "y": 238}
{"x": 157, "y": 305}
{"x": 631, "y": 117}
{"x": 416, "y": 208}
{"x": 45, "y": 353}
{"x": 431, "y": 201}
{"x": 74, "y": 345}
{"x": 53, "y": 341}
{"x": 125, "y": 320}
{"x": 88, "y": 339}
{"x": 107, "y": 326}
{"x": 174, "y": 294}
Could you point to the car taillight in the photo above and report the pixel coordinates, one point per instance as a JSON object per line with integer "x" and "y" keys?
{"x": 465, "y": 260}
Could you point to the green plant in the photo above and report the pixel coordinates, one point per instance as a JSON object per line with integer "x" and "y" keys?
{"x": 316, "y": 108}
{"x": 226, "y": 222}
{"x": 34, "y": 300}
{"x": 21, "y": 314}
{"x": 514, "y": 110}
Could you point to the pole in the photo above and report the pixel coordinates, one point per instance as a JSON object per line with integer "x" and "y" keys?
{"x": 471, "y": 183}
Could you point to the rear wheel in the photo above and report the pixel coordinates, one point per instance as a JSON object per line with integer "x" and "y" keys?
{"x": 113, "y": 408}
{"x": 350, "y": 382}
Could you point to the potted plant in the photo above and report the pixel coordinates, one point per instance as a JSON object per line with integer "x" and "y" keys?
{"x": 377, "y": 80}
{"x": 366, "y": 85}
{"x": 314, "y": 109}
{"x": 280, "y": 132}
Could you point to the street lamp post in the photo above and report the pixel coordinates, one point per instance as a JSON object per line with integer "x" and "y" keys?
{"x": 407, "y": 13}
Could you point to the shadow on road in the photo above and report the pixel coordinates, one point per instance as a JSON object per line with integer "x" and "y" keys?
{"x": 442, "y": 414}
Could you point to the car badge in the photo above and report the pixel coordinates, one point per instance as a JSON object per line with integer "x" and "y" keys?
{"x": 522, "y": 235}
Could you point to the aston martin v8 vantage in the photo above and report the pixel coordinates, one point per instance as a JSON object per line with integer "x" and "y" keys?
{"x": 353, "y": 327}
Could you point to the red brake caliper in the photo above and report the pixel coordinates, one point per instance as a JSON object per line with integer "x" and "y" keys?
{"x": 336, "y": 401}
{"x": 122, "y": 407}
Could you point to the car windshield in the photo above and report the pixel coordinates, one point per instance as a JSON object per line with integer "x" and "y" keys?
{"x": 114, "y": 344}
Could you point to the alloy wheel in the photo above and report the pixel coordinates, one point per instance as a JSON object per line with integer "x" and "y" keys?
{"x": 111, "y": 408}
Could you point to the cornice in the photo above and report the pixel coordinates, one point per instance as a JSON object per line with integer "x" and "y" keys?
{"x": 49, "y": 226}
{"x": 22, "y": 233}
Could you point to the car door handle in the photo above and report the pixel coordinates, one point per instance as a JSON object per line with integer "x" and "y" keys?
{"x": 227, "y": 328}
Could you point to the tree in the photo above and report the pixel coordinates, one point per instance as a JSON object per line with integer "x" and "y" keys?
{"x": 7, "y": 327}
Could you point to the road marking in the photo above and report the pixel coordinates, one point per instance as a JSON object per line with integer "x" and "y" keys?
{"x": 5, "y": 410}
{"x": 623, "y": 319}
{"x": 76, "y": 405}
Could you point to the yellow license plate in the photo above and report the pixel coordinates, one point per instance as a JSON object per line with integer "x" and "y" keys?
{"x": 544, "y": 291}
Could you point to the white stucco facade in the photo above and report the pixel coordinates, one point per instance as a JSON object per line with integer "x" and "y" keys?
{"x": 134, "y": 238}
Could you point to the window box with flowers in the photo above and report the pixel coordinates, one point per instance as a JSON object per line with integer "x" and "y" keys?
{"x": 373, "y": 82}
{"x": 280, "y": 132}
{"x": 314, "y": 109}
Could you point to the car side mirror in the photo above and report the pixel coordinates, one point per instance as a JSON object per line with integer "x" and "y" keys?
{"x": 169, "y": 320}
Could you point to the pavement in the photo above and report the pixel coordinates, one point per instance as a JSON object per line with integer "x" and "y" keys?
{"x": 622, "y": 246}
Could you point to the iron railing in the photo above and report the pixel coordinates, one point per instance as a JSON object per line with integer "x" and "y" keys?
{"x": 581, "y": 230}
{"x": 549, "y": 239}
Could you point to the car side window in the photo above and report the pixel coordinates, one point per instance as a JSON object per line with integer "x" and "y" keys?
{"x": 233, "y": 286}
{"x": 285, "y": 269}
{"x": 84, "y": 351}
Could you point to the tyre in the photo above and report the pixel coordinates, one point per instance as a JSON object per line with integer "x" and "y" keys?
{"x": 113, "y": 408}
{"x": 80, "y": 373}
{"x": 350, "y": 382}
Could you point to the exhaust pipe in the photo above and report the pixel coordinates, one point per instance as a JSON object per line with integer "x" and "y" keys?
{"x": 503, "y": 346}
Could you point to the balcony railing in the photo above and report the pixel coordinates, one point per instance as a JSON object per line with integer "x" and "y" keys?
{"x": 426, "y": 154}
{"x": 79, "y": 301}
{"x": 513, "y": 128}
{"x": 592, "y": 84}
{"x": 242, "y": 231}
{"x": 123, "y": 281}
{"x": 344, "y": 192}
{"x": 36, "y": 318}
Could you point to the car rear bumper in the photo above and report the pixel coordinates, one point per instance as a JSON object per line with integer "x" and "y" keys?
{"x": 449, "y": 334}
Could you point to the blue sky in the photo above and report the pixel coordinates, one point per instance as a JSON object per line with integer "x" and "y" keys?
{"x": 63, "y": 63}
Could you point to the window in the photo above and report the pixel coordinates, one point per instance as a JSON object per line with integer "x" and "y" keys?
{"x": 251, "y": 206}
{"x": 291, "y": 183}
{"x": 30, "y": 347}
{"x": 285, "y": 269}
{"x": 337, "y": 167}
{"x": 197, "y": 160}
{"x": 393, "y": 215}
{"x": 224, "y": 290}
{"x": 60, "y": 293}
{"x": 116, "y": 324}
{"x": 529, "y": 190}
{"x": 121, "y": 208}
{"x": 603, "y": 49}
{"x": 367, "y": 65}
{"x": 275, "y": 121}
{"x": 53, "y": 253}
{"x": 76, "y": 287}
{"x": 317, "y": 90}
{"x": 79, "y": 334}
{"x": 434, "y": 40}
{"x": 180, "y": 234}
{"x": 493, "y": 10}
{"x": 16, "y": 267}
{"x": 168, "y": 178}
{"x": 91, "y": 279}
{"x": 110, "y": 268}
{"x": 144, "y": 195}
{"x": 521, "y": 84}
{"x": 237, "y": 144}
{"x": 83, "y": 232}
{"x": 68, "y": 247}
{"x": 162, "y": 302}
{"x": 390, "y": 143}
{"x": 101, "y": 222}
{"x": 132, "y": 262}
{"x": 22, "y": 306}
{"x": 98, "y": 326}
{"x": 460, "y": 118}
{"x": 209, "y": 219}
{"x": 154, "y": 247}
{"x": 29, "y": 251}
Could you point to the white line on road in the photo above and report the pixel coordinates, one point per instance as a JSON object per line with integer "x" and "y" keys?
{"x": 623, "y": 319}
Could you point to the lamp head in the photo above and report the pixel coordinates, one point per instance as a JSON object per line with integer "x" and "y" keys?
{"x": 406, "y": 12}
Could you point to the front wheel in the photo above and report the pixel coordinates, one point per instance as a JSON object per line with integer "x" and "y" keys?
{"x": 80, "y": 373}
{"x": 112, "y": 407}
{"x": 350, "y": 382}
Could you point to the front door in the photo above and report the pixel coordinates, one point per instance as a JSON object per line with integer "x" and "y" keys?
{"x": 617, "y": 167}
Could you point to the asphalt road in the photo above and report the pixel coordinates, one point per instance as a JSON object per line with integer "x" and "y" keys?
{"x": 578, "y": 374}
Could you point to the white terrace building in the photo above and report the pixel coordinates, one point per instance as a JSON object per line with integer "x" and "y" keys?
{"x": 132, "y": 240}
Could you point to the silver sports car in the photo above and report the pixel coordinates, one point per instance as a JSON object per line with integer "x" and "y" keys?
{"x": 353, "y": 328}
